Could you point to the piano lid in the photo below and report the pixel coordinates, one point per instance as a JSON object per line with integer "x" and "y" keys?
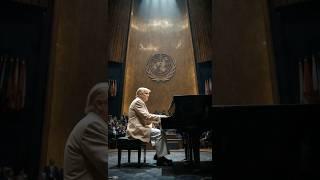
{"x": 189, "y": 103}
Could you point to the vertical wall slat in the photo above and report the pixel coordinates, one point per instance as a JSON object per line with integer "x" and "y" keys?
{"x": 200, "y": 15}
{"x": 119, "y": 16}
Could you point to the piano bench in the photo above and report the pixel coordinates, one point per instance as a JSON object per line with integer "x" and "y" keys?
{"x": 125, "y": 143}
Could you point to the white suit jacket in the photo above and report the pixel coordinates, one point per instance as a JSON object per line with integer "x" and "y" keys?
{"x": 140, "y": 120}
{"x": 86, "y": 150}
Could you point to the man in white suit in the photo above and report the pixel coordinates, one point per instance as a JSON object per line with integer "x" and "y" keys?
{"x": 141, "y": 125}
{"x": 86, "y": 150}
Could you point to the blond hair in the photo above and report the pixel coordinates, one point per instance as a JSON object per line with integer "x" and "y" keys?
{"x": 142, "y": 90}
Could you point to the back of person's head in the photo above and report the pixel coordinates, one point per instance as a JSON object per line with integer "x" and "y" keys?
{"x": 142, "y": 90}
{"x": 98, "y": 92}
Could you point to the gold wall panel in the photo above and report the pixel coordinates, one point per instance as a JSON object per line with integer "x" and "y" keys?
{"x": 79, "y": 60}
{"x": 243, "y": 71}
{"x": 200, "y": 20}
{"x": 119, "y": 13}
{"x": 159, "y": 26}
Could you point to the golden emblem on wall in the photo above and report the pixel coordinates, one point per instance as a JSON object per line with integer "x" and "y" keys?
{"x": 160, "y": 67}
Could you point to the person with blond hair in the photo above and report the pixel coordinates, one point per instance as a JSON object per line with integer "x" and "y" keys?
{"x": 141, "y": 125}
{"x": 86, "y": 149}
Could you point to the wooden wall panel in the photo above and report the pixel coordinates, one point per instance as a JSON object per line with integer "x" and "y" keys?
{"x": 159, "y": 27}
{"x": 79, "y": 60}
{"x": 119, "y": 26}
{"x": 200, "y": 20}
{"x": 243, "y": 71}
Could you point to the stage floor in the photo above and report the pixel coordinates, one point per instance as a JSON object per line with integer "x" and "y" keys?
{"x": 149, "y": 170}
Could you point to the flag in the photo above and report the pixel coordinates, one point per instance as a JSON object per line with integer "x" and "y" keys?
{"x": 22, "y": 85}
{"x": 109, "y": 88}
{"x": 307, "y": 79}
{"x": 10, "y": 85}
{"x": 2, "y": 71}
{"x": 115, "y": 87}
{"x": 210, "y": 86}
{"x": 3, "y": 82}
{"x": 314, "y": 75}
{"x": 317, "y": 60}
{"x": 301, "y": 83}
{"x": 15, "y": 85}
{"x": 205, "y": 87}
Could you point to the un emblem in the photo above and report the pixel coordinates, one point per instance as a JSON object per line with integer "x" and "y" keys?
{"x": 160, "y": 67}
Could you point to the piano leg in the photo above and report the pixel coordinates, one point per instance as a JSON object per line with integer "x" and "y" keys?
{"x": 185, "y": 141}
{"x": 189, "y": 151}
{"x": 187, "y": 147}
{"x": 195, "y": 143}
{"x": 192, "y": 147}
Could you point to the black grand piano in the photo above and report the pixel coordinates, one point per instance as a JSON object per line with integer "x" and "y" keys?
{"x": 189, "y": 114}
{"x": 263, "y": 142}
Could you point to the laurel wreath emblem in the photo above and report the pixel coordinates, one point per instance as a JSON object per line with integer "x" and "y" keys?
{"x": 160, "y": 67}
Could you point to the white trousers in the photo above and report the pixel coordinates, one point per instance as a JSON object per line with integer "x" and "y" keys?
{"x": 158, "y": 139}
